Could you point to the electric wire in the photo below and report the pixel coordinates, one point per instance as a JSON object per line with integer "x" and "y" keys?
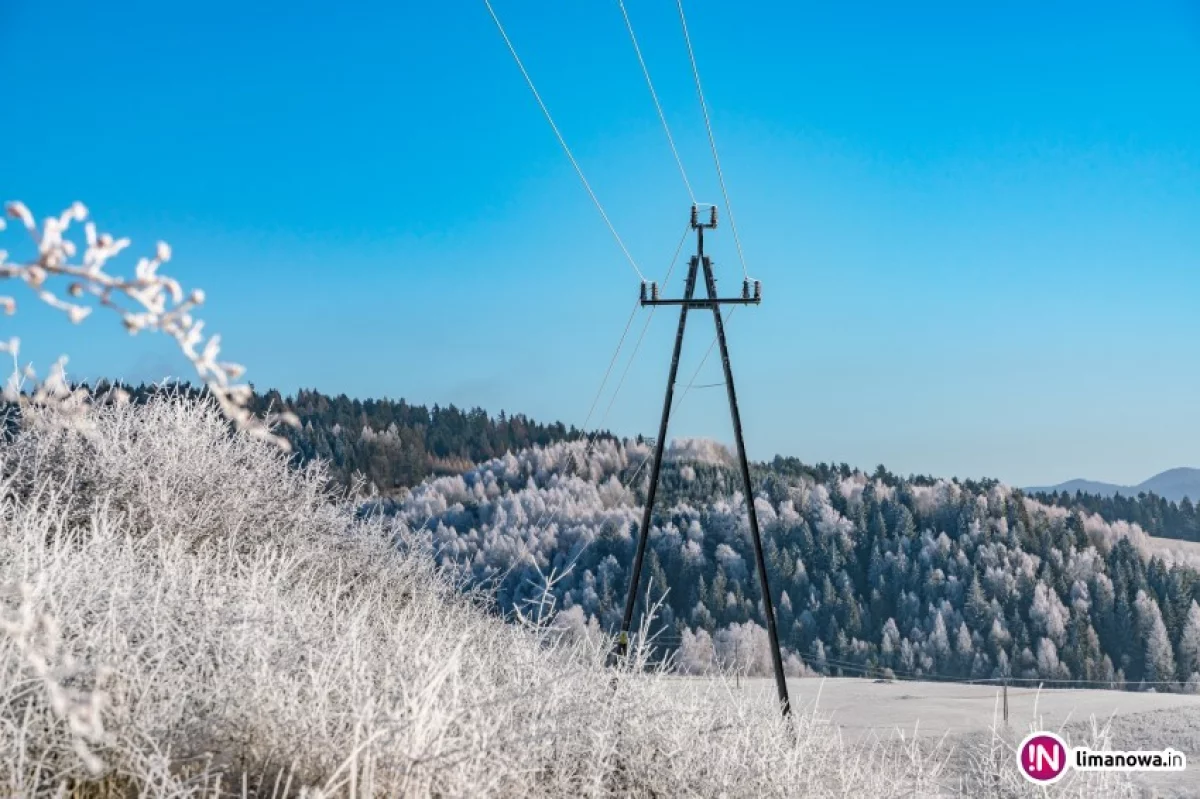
{"x": 608, "y": 372}
{"x": 563, "y": 142}
{"x": 657, "y": 106}
{"x": 599, "y": 392}
{"x": 612, "y": 362}
{"x": 637, "y": 346}
{"x": 712, "y": 141}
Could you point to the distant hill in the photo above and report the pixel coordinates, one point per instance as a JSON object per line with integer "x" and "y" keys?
{"x": 1173, "y": 485}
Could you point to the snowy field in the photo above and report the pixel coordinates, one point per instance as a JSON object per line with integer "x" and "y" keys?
{"x": 961, "y": 713}
{"x": 936, "y": 708}
{"x": 1176, "y": 546}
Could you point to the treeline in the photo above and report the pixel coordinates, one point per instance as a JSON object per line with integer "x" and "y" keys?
{"x": 391, "y": 444}
{"x": 395, "y": 445}
{"x": 870, "y": 573}
{"x": 1155, "y": 515}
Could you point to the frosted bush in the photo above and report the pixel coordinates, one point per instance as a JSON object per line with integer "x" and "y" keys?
{"x": 987, "y": 764}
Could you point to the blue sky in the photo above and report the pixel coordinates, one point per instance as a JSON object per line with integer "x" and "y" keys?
{"x": 976, "y": 227}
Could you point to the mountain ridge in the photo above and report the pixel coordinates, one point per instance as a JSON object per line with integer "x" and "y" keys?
{"x": 1173, "y": 484}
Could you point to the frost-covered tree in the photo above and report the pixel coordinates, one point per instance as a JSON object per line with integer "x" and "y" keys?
{"x": 697, "y": 655}
{"x": 1048, "y": 614}
{"x": 1189, "y": 643}
{"x": 1160, "y": 663}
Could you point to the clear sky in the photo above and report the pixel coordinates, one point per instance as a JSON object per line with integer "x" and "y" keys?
{"x": 978, "y": 228}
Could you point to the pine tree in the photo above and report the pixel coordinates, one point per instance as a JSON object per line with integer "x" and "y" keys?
{"x": 818, "y": 657}
{"x": 964, "y": 649}
{"x": 1159, "y": 661}
{"x": 848, "y": 613}
{"x": 889, "y": 643}
{"x": 939, "y": 640}
{"x": 977, "y": 611}
{"x": 1082, "y": 655}
{"x": 1048, "y": 664}
{"x": 1124, "y": 638}
{"x": 1189, "y": 644}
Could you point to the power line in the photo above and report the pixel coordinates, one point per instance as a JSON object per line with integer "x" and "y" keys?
{"x": 657, "y": 106}
{"x": 592, "y": 439}
{"x": 563, "y": 142}
{"x": 608, "y": 371}
{"x": 595, "y": 400}
{"x": 637, "y": 346}
{"x": 712, "y": 140}
{"x": 628, "y": 481}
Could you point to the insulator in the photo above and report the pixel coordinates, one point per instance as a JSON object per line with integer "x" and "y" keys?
{"x": 695, "y": 217}
{"x": 643, "y": 291}
{"x": 713, "y": 218}
{"x": 757, "y": 290}
{"x": 745, "y": 289}
{"x": 654, "y": 291}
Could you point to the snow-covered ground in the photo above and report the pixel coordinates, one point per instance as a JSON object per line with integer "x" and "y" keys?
{"x": 937, "y": 708}
{"x": 963, "y": 713}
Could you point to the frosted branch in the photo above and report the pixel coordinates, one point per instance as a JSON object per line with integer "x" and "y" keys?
{"x": 147, "y": 301}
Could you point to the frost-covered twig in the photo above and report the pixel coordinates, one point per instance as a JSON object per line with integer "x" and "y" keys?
{"x": 147, "y": 301}
{"x": 37, "y": 639}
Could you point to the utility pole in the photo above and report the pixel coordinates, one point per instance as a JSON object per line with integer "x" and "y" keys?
{"x": 650, "y": 298}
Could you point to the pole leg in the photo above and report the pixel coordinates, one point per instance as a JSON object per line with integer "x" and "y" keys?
{"x": 768, "y": 605}
{"x": 644, "y": 530}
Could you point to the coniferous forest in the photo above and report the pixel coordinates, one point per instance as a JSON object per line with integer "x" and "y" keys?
{"x": 870, "y": 573}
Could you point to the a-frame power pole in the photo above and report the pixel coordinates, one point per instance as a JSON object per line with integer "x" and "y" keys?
{"x": 701, "y": 261}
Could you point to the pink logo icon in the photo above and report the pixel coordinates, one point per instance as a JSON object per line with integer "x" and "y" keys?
{"x": 1042, "y": 758}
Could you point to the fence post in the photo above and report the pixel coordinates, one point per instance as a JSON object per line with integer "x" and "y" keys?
{"x": 1006, "y": 701}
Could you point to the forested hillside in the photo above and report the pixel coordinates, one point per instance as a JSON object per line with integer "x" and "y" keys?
{"x": 870, "y": 572}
